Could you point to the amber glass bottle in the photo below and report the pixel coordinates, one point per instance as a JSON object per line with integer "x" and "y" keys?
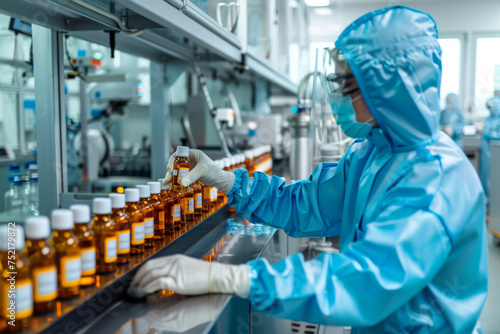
{"x": 149, "y": 215}
{"x": 68, "y": 258}
{"x": 122, "y": 227}
{"x": 136, "y": 219}
{"x": 19, "y": 289}
{"x": 168, "y": 201}
{"x": 188, "y": 206}
{"x": 181, "y": 168}
{"x": 198, "y": 201}
{"x": 81, "y": 230}
{"x": 104, "y": 230}
{"x": 176, "y": 211}
{"x": 42, "y": 264}
{"x": 159, "y": 210}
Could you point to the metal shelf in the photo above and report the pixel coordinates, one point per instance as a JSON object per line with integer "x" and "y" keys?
{"x": 195, "y": 26}
{"x": 174, "y": 28}
{"x": 263, "y": 68}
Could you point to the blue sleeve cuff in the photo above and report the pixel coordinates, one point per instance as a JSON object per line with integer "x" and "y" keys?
{"x": 239, "y": 174}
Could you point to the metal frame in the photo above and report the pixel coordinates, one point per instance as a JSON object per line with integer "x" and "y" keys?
{"x": 50, "y": 116}
{"x": 212, "y": 42}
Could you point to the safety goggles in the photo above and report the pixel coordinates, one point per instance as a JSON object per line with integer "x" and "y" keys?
{"x": 343, "y": 83}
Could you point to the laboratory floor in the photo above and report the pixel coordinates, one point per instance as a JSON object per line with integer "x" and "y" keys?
{"x": 490, "y": 320}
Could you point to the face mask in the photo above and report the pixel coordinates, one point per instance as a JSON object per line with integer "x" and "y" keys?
{"x": 346, "y": 116}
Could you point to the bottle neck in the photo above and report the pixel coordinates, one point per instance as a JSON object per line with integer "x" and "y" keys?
{"x": 37, "y": 243}
{"x": 62, "y": 233}
{"x": 117, "y": 210}
{"x": 132, "y": 205}
{"x": 145, "y": 200}
{"x": 82, "y": 226}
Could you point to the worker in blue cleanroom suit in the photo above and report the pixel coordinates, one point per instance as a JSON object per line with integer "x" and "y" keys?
{"x": 408, "y": 206}
{"x": 452, "y": 119}
{"x": 491, "y": 131}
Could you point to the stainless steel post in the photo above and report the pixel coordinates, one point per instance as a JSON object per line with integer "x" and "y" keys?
{"x": 160, "y": 120}
{"x": 300, "y": 157}
{"x": 48, "y": 50}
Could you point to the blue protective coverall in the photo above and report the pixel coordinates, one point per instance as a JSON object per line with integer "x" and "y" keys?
{"x": 453, "y": 116}
{"x": 491, "y": 131}
{"x": 408, "y": 206}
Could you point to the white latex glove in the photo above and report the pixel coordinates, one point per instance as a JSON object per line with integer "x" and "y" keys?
{"x": 185, "y": 275}
{"x": 175, "y": 314}
{"x": 202, "y": 169}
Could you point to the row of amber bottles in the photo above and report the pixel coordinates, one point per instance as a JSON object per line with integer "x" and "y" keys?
{"x": 46, "y": 269}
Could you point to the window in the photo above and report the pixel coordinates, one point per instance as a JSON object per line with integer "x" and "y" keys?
{"x": 451, "y": 58}
{"x": 487, "y": 72}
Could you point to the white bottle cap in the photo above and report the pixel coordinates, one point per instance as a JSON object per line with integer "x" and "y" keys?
{"x": 227, "y": 162}
{"x": 81, "y": 213}
{"x": 101, "y": 206}
{"x": 144, "y": 191}
{"x": 5, "y": 229}
{"x": 162, "y": 186}
{"x": 182, "y": 151}
{"x": 132, "y": 195}
{"x": 248, "y": 154}
{"x": 62, "y": 219}
{"x": 154, "y": 187}
{"x": 233, "y": 160}
{"x": 37, "y": 227}
{"x": 117, "y": 200}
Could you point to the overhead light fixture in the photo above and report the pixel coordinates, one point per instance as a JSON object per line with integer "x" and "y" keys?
{"x": 317, "y": 3}
{"x": 323, "y": 11}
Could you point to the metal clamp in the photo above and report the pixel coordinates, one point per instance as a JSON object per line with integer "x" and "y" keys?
{"x": 184, "y": 5}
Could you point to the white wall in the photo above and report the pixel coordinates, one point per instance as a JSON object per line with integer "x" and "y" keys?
{"x": 466, "y": 19}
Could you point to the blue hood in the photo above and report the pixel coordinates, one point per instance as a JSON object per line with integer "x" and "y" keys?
{"x": 396, "y": 60}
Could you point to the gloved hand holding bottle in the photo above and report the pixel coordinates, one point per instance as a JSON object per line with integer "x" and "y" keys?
{"x": 203, "y": 169}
